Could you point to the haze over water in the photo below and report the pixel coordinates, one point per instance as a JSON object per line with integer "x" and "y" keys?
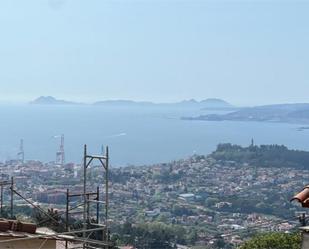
{"x": 136, "y": 135}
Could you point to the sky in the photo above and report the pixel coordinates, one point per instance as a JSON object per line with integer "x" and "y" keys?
{"x": 246, "y": 52}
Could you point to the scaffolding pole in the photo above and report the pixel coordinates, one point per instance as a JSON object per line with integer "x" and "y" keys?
{"x": 84, "y": 193}
{"x": 2, "y": 185}
{"x": 1, "y": 200}
{"x": 98, "y": 205}
{"x": 12, "y": 196}
{"x": 67, "y": 218}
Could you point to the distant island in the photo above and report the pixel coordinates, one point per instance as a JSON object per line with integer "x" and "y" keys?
{"x": 49, "y": 100}
{"x": 211, "y": 103}
{"x": 121, "y": 102}
{"x": 216, "y": 103}
{"x": 286, "y": 113}
{"x": 203, "y": 104}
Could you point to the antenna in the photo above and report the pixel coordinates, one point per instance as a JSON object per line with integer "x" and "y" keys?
{"x": 252, "y": 142}
{"x": 21, "y": 153}
{"x": 102, "y": 149}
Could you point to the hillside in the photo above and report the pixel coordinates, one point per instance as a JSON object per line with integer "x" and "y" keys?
{"x": 289, "y": 113}
{"x": 263, "y": 156}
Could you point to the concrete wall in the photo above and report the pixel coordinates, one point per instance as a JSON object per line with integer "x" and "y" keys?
{"x": 305, "y": 240}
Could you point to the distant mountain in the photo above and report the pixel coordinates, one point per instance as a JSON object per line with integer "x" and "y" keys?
{"x": 289, "y": 113}
{"x": 204, "y": 104}
{"x": 192, "y": 103}
{"x": 215, "y": 104}
{"x": 123, "y": 103}
{"x": 49, "y": 100}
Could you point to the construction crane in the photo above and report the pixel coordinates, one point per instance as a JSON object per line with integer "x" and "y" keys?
{"x": 21, "y": 153}
{"x": 60, "y": 155}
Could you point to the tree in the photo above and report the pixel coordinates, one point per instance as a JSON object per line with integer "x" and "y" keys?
{"x": 274, "y": 241}
{"x": 219, "y": 242}
{"x": 211, "y": 201}
{"x": 192, "y": 237}
{"x": 155, "y": 235}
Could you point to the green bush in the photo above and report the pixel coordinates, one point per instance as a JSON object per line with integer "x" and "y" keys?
{"x": 274, "y": 241}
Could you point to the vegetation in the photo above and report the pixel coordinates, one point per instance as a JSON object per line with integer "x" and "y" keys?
{"x": 263, "y": 156}
{"x": 274, "y": 241}
{"x": 152, "y": 235}
{"x": 55, "y": 223}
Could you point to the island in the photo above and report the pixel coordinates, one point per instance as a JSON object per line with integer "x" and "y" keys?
{"x": 212, "y": 103}
{"x": 49, "y": 100}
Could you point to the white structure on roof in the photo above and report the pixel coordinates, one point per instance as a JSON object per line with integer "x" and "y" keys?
{"x": 187, "y": 197}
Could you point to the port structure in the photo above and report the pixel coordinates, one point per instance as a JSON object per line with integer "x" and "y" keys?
{"x": 60, "y": 155}
{"x": 21, "y": 152}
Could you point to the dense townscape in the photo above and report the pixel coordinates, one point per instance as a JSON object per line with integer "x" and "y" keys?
{"x": 205, "y": 201}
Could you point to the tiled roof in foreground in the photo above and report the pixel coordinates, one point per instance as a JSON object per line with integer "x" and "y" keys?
{"x": 303, "y": 197}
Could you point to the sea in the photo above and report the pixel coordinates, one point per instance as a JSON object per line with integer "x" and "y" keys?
{"x": 139, "y": 135}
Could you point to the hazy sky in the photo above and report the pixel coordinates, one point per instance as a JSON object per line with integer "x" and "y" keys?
{"x": 247, "y": 52}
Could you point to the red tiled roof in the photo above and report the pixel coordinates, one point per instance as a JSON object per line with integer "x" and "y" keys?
{"x": 303, "y": 197}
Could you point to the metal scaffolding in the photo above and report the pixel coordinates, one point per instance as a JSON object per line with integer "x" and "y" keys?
{"x": 104, "y": 161}
{"x": 87, "y": 242}
{"x": 88, "y": 198}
